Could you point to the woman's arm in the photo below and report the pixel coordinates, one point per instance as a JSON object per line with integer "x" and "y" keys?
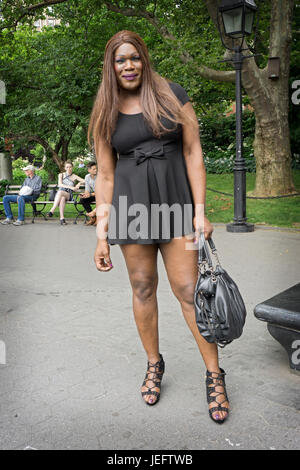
{"x": 78, "y": 178}
{"x": 104, "y": 186}
{"x": 196, "y": 171}
{"x": 80, "y": 181}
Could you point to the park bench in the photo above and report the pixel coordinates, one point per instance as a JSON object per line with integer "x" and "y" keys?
{"x": 282, "y": 314}
{"x": 39, "y": 206}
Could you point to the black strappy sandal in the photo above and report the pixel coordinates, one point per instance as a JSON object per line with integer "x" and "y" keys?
{"x": 217, "y": 380}
{"x": 158, "y": 372}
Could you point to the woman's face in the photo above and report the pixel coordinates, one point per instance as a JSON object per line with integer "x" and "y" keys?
{"x": 128, "y": 67}
{"x": 68, "y": 167}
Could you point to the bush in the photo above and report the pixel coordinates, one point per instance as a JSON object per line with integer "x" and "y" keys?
{"x": 220, "y": 160}
{"x": 19, "y": 163}
{"x": 19, "y": 176}
{"x": 3, "y": 184}
{"x": 218, "y": 141}
{"x": 80, "y": 171}
{"x": 80, "y": 165}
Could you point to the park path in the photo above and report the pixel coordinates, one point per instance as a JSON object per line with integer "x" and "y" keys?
{"x": 75, "y": 363}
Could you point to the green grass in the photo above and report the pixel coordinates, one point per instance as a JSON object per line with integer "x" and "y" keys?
{"x": 283, "y": 212}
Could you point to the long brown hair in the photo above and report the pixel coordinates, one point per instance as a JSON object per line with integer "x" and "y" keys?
{"x": 157, "y": 98}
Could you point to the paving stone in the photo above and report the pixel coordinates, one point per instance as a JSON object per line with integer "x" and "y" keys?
{"x": 75, "y": 363}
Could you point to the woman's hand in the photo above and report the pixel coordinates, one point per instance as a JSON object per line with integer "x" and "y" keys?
{"x": 77, "y": 187}
{"x": 202, "y": 224}
{"x": 102, "y": 257}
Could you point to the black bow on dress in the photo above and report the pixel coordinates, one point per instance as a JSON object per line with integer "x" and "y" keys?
{"x": 141, "y": 155}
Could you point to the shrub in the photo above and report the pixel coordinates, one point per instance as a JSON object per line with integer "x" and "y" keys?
{"x": 3, "y": 184}
{"x": 217, "y": 134}
{"x": 19, "y": 176}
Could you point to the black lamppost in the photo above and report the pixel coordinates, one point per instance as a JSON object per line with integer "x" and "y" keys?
{"x": 238, "y": 18}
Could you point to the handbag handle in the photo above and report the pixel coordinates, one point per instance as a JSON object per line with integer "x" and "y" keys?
{"x": 203, "y": 253}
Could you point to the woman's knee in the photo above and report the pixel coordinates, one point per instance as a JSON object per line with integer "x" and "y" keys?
{"x": 184, "y": 292}
{"x": 64, "y": 198}
{"x": 144, "y": 287}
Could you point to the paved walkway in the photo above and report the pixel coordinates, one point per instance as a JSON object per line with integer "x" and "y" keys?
{"x": 75, "y": 362}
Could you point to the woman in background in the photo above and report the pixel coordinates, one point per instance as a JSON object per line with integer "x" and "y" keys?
{"x": 66, "y": 186}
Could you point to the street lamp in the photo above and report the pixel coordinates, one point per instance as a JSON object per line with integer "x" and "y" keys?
{"x": 238, "y": 19}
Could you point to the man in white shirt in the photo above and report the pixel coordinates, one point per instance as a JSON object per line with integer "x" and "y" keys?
{"x": 88, "y": 196}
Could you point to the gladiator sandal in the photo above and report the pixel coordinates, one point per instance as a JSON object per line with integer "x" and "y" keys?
{"x": 212, "y": 382}
{"x": 157, "y": 370}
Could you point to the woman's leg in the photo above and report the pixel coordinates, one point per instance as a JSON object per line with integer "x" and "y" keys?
{"x": 64, "y": 198}
{"x": 57, "y": 199}
{"x": 182, "y": 271}
{"x": 141, "y": 262}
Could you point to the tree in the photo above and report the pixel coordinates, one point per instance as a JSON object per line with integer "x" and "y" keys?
{"x": 271, "y": 100}
{"x": 47, "y": 103}
{"x": 178, "y": 24}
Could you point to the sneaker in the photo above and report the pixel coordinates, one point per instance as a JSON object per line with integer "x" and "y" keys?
{"x": 18, "y": 222}
{"x": 7, "y": 221}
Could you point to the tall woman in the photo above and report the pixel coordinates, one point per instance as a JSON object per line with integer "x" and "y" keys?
{"x": 66, "y": 187}
{"x": 146, "y": 137}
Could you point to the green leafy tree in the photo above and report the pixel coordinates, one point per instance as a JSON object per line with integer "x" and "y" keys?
{"x": 47, "y": 102}
{"x": 185, "y": 44}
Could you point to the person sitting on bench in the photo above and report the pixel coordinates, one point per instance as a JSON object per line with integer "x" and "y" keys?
{"x": 66, "y": 186}
{"x": 89, "y": 194}
{"x": 29, "y": 192}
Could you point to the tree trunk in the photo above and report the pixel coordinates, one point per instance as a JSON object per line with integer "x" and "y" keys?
{"x": 65, "y": 150}
{"x": 270, "y": 99}
{"x": 273, "y": 157}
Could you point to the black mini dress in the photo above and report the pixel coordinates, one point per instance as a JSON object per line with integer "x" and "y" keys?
{"x": 152, "y": 198}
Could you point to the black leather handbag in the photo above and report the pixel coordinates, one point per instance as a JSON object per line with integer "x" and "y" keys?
{"x": 219, "y": 306}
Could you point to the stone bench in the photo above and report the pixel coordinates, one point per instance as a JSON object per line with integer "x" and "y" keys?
{"x": 282, "y": 314}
